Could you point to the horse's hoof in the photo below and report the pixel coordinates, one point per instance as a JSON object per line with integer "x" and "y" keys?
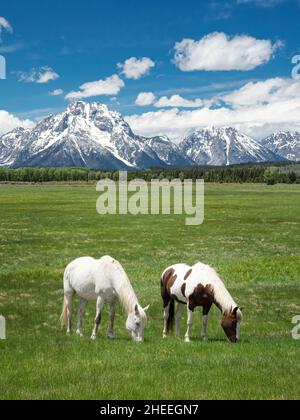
{"x": 205, "y": 339}
{"x": 93, "y": 338}
{"x": 187, "y": 340}
{"x": 79, "y": 333}
{"x": 111, "y": 336}
{"x": 69, "y": 334}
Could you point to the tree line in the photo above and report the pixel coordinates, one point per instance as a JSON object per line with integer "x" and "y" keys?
{"x": 251, "y": 173}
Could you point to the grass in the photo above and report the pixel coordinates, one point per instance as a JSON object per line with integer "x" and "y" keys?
{"x": 251, "y": 235}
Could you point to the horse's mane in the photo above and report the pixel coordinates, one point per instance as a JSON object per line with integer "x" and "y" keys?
{"x": 222, "y": 296}
{"x": 126, "y": 293}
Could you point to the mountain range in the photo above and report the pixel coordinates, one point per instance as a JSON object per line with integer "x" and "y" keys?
{"x": 286, "y": 144}
{"x": 90, "y": 135}
{"x": 225, "y": 146}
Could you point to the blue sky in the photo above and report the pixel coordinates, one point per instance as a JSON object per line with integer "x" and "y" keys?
{"x": 56, "y": 47}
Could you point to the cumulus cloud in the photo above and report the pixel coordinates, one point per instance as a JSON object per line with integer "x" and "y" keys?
{"x": 145, "y": 99}
{"x": 148, "y": 98}
{"x": 56, "y": 92}
{"x": 258, "y": 109}
{"x": 38, "y": 75}
{"x": 269, "y": 91}
{"x": 177, "y": 101}
{"x": 220, "y": 52}
{"x": 135, "y": 68}
{"x": 109, "y": 86}
{"x": 9, "y": 122}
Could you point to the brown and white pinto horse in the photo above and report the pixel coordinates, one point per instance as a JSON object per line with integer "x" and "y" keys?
{"x": 196, "y": 286}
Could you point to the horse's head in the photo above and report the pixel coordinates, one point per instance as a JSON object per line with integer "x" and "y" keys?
{"x": 136, "y": 322}
{"x": 231, "y": 324}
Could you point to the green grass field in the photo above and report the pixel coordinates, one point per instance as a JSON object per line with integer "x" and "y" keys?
{"x": 251, "y": 235}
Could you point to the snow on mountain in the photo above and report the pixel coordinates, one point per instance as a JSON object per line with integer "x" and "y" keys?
{"x": 168, "y": 152}
{"x": 224, "y": 146}
{"x": 90, "y": 135}
{"x": 11, "y": 144}
{"x": 85, "y": 135}
{"x": 286, "y": 144}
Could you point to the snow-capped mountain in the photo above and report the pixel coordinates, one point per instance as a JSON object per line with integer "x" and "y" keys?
{"x": 225, "y": 146}
{"x": 11, "y": 144}
{"x": 90, "y": 135}
{"x": 286, "y": 144}
{"x": 168, "y": 152}
{"x": 86, "y": 135}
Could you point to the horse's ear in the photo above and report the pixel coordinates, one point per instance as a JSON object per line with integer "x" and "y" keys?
{"x": 137, "y": 312}
{"x": 147, "y": 308}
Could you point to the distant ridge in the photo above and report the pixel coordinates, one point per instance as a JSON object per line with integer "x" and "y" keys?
{"x": 90, "y": 135}
{"x": 225, "y": 146}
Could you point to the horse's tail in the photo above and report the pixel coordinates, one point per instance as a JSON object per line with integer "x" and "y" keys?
{"x": 64, "y": 314}
{"x": 171, "y": 317}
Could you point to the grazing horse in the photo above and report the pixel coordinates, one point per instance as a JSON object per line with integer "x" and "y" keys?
{"x": 103, "y": 281}
{"x": 196, "y": 286}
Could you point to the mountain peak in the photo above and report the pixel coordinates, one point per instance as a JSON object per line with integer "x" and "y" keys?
{"x": 80, "y": 107}
{"x": 284, "y": 143}
{"x": 219, "y": 146}
{"x": 88, "y": 135}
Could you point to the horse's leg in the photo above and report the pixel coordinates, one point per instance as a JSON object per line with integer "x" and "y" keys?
{"x": 99, "y": 306}
{"x": 69, "y": 300}
{"x": 179, "y": 311}
{"x": 189, "y": 325}
{"x": 112, "y": 315}
{"x": 80, "y": 317}
{"x": 206, "y": 310}
{"x": 166, "y": 317}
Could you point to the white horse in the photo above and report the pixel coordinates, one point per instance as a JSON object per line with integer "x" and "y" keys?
{"x": 196, "y": 286}
{"x": 103, "y": 281}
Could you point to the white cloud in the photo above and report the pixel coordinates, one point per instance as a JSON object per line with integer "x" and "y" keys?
{"x": 5, "y": 49}
{"x": 269, "y": 91}
{"x": 5, "y": 25}
{"x": 110, "y": 86}
{"x": 38, "y": 75}
{"x": 135, "y": 68}
{"x": 9, "y": 122}
{"x": 258, "y": 109}
{"x": 56, "y": 92}
{"x": 217, "y": 51}
{"x": 145, "y": 99}
{"x": 177, "y": 101}
{"x": 46, "y": 76}
{"x": 174, "y": 101}
{"x": 262, "y": 3}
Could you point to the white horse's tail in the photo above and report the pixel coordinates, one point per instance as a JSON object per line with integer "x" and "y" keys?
{"x": 64, "y": 315}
